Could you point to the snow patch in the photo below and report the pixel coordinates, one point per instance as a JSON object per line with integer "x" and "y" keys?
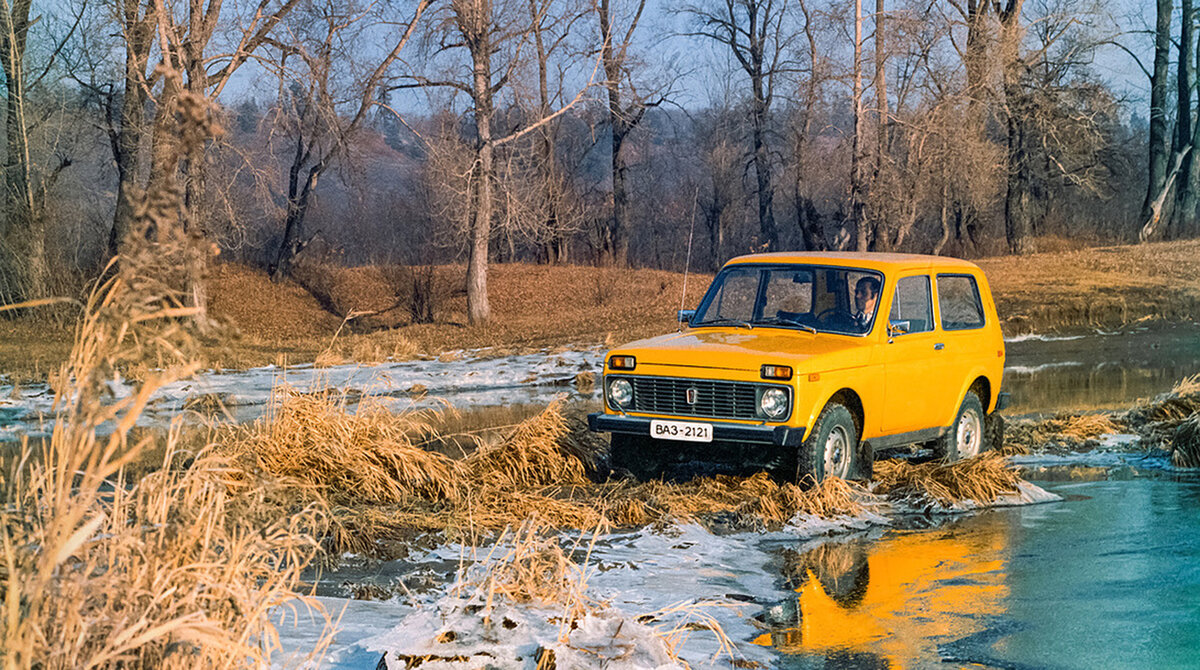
{"x": 1031, "y": 369}
{"x": 465, "y": 380}
{"x": 458, "y": 634}
{"x": 1034, "y": 337}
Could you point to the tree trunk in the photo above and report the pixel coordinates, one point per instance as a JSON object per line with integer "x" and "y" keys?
{"x": 1017, "y": 225}
{"x": 857, "y": 208}
{"x": 25, "y": 271}
{"x": 881, "y": 236}
{"x": 1159, "y": 141}
{"x": 1018, "y": 217}
{"x": 1185, "y": 188}
{"x": 479, "y": 43}
{"x": 975, "y": 61}
{"x": 130, "y": 125}
{"x": 616, "y": 241}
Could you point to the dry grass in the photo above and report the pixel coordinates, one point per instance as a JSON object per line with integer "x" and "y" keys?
{"x": 387, "y": 483}
{"x": 531, "y": 457}
{"x": 184, "y": 567}
{"x": 366, "y": 456}
{"x": 1185, "y": 443}
{"x": 533, "y": 569}
{"x": 1163, "y": 420}
{"x": 1096, "y": 287}
{"x": 1084, "y": 426}
{"x": 1072, "y": 432}
{"x": 982, "y": 479}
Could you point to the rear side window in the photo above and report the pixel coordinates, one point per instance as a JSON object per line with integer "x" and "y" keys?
{"x": 958, "y": 298}
{"x": 912, "y": 309}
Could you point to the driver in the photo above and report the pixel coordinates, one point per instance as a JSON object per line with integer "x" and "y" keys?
{"x": 866, "y": 296}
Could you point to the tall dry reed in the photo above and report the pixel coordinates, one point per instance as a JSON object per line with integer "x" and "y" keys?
{"x": 184, "y": 567}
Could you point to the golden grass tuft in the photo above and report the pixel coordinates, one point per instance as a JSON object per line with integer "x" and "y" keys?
{"x": 1083, "y": 426}
{"x": 1181, "y": 402}
{"x": 756, "y": 500}
{"x": 531, "y": 457}
{"x": 1185, "y": 444}
{"x": 983, "y": 479}
{"x": 1187, "y": 386}
{"x": 370, "y": 455}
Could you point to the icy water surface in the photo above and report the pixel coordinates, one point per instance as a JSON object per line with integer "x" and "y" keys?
{"x": 1108, "y": 577}
{"x": 1098, "y": 370}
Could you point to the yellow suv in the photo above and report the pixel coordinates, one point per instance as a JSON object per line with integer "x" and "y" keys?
{"x": 810, "y": 363}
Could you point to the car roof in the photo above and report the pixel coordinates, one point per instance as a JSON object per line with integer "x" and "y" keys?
{"x": 870, "y": 260}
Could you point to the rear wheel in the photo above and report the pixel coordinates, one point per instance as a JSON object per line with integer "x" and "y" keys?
{"x": 831, "y": 448}
{"x": 966, "y": 437}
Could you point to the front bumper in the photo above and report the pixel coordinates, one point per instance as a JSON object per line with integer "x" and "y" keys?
{"x": 782, "y": 436}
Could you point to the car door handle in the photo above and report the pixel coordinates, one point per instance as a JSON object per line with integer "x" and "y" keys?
{"x": 939, "y": 346}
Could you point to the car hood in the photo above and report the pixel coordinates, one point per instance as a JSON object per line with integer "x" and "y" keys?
{"x": 743, "y": 349}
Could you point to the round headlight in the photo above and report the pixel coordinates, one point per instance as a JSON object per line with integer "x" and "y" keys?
{"x": 620, "y": 391}
{"x": 774, "y": 403}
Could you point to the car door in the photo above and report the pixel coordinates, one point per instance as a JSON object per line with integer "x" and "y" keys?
{"x": 961, "y": 314}
{"x": 915, "y": 365}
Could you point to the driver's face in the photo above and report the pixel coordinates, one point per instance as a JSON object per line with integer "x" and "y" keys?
{"x": 864, "y": 299}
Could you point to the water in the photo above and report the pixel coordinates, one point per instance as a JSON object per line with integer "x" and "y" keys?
{"x": 1099, "y": 370}
{"x": 1108, "y": 578}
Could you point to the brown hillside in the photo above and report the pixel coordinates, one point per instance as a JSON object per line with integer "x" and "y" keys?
{"x": 538, "y": 306}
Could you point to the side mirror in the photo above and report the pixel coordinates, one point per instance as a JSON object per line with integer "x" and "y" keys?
{"x": 898, "y": 328}
{"x": 685, "y": 315}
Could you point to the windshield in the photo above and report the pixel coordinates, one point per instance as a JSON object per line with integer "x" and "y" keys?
{"x": 805, "y": 297}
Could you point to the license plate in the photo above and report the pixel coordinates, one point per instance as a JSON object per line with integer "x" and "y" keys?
{"x": 681, "y": 430}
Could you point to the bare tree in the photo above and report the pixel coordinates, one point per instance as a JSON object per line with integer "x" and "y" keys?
{"x": 1159, "y": 148}
{"x": 483, "y": 30}
{"x": 756, "y": 32}
{"x": 1187, "y": 127}
{"x": 23, "y": 264}
{"x": 315, "y": 114}
{"x": 623, "y": 117}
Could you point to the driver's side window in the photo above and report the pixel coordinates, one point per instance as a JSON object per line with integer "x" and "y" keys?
{"x": 912, "y": 306}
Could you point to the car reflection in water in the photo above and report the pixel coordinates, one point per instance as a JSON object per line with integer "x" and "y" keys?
{"x": 890, "y": 603}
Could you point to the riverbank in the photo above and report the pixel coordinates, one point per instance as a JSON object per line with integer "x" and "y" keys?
{"x": 536, "y": 307}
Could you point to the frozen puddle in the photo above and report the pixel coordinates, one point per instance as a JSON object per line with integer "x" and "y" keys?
{"x": 460, "y": 379}
{"x": 676, "y": 578}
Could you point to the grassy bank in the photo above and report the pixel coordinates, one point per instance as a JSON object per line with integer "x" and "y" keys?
{"x": 539, "y": 306}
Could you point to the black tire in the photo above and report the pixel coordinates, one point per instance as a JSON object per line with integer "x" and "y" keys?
{"x": 831, "y": 448}
{"x": 639, "y": 454}
{"x": 993, "y": 431}
{"x": 967, "y": 436}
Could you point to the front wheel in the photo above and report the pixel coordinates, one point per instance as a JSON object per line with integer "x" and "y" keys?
{"x": 967, "y": 437}
{"x": 641, "y": 455}
{"x": 831, "y": 447}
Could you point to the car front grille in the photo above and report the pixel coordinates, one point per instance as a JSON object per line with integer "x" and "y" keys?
{"x": 714, "y": 398}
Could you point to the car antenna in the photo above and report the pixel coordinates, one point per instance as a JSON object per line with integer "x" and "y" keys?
{"x": 688, "y": 263}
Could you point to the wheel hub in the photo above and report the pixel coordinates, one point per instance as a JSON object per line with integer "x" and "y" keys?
{"x": 837, "y": 453}
{"x": 969, "y": 435}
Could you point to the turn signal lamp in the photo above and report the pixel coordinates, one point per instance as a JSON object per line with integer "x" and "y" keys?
{"x": 776, "y": 372}
{"x": 622, "y": 362}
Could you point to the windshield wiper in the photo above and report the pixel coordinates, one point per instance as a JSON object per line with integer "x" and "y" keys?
{"x": 726, "y": 322}
{"x": 779, "y": 320}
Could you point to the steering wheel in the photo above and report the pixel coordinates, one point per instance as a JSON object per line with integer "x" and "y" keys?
{"x": 830, "y": 315}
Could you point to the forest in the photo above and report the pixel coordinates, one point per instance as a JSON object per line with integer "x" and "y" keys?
{"x": 607, "y": 132}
